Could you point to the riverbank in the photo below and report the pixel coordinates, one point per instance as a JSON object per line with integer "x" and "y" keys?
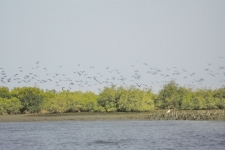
{"x": 153, "y": 115}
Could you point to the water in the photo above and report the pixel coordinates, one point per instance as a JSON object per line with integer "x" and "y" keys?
{"x": 110, "y": 135}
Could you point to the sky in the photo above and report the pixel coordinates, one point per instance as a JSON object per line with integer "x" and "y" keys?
{"x": 87, "y": 45}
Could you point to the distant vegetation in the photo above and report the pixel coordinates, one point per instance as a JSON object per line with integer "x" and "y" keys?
{"x": 110, "y": 99}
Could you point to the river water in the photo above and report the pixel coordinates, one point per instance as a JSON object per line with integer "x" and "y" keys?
{"x": 111, "y": 135}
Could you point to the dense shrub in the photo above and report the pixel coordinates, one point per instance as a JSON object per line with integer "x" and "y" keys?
{"x": 31, "y": 98}
{"x": 171, "y": 96}
{"x": 10, "y": 106}
{"x": 121, "y": 99}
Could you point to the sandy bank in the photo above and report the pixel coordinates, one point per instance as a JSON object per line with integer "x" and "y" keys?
{"x": 153, "y": 115}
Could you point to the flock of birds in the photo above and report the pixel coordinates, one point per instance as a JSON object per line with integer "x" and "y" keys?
{"x": 85, "y": 79}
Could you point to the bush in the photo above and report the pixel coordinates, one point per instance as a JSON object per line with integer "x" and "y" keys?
{"x": 4, "y": 92}
{"x": 31, "y": 98}
{"x": 10, "y": 106}
{"x": 121, "y": 99}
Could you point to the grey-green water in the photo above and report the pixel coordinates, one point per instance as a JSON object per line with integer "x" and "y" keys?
{"x": 103, "y": 135}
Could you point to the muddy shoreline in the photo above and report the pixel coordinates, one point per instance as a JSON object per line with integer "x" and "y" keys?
{"x": 217, "y": 115}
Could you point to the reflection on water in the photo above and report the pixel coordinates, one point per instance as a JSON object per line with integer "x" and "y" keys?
{"x": 111, "y": 135}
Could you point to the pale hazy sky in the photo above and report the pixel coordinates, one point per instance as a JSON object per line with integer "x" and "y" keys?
{"x": 118, "y": 34}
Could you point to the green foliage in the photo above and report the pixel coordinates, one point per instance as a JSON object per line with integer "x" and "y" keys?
{"x": 219, "y": 95}
{"x": 169, "y": 96}
{"x": 4, "y": 92}
{"x": 108, "y": 99}
{"x": 72, "y": 102}
{"x": 90, "y": 104}
{"x": 186, "y": 98}
{"x": 31, "y": 98}
{"x": 58, "y": 103}
{"x": 12, "y": 105}
{"x": 34, "y": 100}
{"x": 121, "y": 99}
{"x": 2, "y": 106}
{"x": 134, "y": 99}
{"x": 172, "y": 96}
{"x": 46, "y": 101}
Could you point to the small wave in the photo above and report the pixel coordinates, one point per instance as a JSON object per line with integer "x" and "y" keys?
{"x": 105, "y": 142}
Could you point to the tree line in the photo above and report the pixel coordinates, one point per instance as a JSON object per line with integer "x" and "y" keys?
{"x": 110, "y": 99}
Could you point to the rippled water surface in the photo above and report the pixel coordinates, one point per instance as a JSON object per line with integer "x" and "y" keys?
{"x": 103, "y": 135}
